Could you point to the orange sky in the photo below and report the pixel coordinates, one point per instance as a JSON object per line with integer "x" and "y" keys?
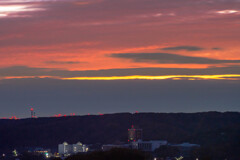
{"x": 82, "y": 35}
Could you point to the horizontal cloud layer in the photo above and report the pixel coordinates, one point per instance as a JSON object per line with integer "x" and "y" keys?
{"x": 63, "y": 62}
{"x": 186, "y": 48}
{"x": 167, "y": 58}
{"x": 56, "y": 34}
{"x": 23, "y": 71}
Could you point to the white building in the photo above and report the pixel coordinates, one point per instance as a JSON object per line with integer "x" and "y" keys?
{"x": 149, "y": 146}
{"x": 64, "y": 148}
{"x": 79, "y": 147}
{"x": 67, "y": 149}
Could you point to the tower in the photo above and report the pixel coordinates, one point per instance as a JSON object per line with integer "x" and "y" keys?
{"x": 134, "y": 134}
{"x": 33, "y": 114}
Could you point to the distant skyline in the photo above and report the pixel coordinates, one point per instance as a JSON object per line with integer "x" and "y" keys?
{"x": 114, "y": 45}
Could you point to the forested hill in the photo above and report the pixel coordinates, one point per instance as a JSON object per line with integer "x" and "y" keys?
{"x": 208, "y": 128}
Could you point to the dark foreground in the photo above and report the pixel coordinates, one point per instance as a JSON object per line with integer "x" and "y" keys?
{"x": 217, "y": 133}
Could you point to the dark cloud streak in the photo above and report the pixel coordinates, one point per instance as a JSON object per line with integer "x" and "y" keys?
{"x": 167, "y": 58}
{"x": 186, "y": 48}
{"x": 63, "y": 62}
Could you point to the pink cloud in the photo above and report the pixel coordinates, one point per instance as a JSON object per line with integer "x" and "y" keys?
{"x": 44, "y": 29}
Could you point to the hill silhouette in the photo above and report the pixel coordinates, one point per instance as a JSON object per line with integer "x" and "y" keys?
{"x": 206, "y": 129}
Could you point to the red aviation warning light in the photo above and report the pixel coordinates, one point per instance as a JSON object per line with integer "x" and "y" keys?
{"x": 100, "y": 114}
{"x": 14, "y": 118}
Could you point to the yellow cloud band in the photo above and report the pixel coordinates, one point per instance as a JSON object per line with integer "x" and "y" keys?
{"x": 190, "y": 77}
{"x": 134, "y": 77}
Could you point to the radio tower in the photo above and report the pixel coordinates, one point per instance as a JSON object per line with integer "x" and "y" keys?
{"x": 32, "y": 113}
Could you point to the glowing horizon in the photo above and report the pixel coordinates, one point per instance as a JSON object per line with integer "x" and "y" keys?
{"x": 140, "y": 77}
{"x": 174, "y": 77}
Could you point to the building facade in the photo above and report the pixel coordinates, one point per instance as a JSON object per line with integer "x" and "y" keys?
{"x": 67, "y": 149}
{"x": 149, "y": 146}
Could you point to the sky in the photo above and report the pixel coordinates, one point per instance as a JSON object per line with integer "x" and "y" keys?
{"x": 106, "y": 56}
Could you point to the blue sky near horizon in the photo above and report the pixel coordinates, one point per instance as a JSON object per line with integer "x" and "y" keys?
{"x": 50, "y": 97}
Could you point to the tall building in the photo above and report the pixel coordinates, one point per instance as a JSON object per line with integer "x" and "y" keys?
{"x": 134, "y": 134}
{"x": 64, "y": 148}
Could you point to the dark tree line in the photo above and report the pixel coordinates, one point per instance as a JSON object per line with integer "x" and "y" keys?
{"x": 114, "y": 154}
